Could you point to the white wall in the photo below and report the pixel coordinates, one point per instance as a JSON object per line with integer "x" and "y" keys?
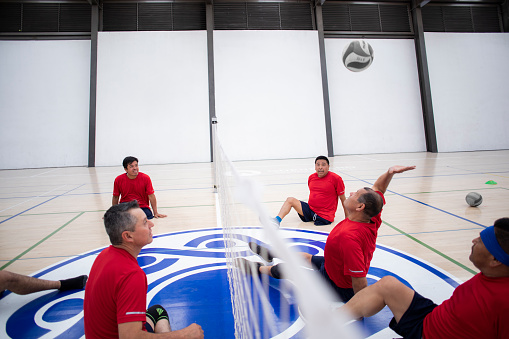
{"x": 468, "y": 75}
{"x": 269, "y": 102}
{"x": 44, "y": 103}
{"x": 377, "y": 110}
{"x": 152, "y": 97}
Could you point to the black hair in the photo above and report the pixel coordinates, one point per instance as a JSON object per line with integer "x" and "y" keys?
{"x": 502, "y": 233}
{"x": 117, "y": 220}
{"x": 373, "y": 202}
{"x": 129, "y": 160}
{"x": 322, "y": 157}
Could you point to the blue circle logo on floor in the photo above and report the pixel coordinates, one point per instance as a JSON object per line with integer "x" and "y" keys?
{"x": 187, "y": 274}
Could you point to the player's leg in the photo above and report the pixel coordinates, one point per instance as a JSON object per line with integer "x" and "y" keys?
{"x": 157, "y": 320}
{"x": 372, "y": 299}
{"x": 148, "y": 213}
{"x": 22, "y": 284}
{"x": 288, "y": 205}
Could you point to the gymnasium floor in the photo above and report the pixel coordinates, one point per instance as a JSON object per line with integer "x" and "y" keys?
{"x": 53, "y": 215}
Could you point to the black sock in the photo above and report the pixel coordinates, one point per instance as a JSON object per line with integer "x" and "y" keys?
{"x": 77, "y": 283}
{"x": 275, "y": 271}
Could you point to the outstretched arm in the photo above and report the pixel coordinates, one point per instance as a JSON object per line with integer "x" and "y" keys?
{"x": 384, "y": 180}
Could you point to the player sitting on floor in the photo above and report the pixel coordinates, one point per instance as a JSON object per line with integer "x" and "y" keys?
{"x": 135, "y": 185}
{"x": 350, "y": 245}
{"x": 324, "y": 189}
{"x": 478, "y": 308}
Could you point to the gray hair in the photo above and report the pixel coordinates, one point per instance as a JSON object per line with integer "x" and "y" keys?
{"x": 117, "y": 220}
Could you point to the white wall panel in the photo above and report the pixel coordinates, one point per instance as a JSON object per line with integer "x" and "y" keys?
{"x": 44, "y": 103}
{"x": 152, "y": 97}
{"x": 379, "y": 109}
{"x": 468, "y": 76}
{"x": 269, "y": 100}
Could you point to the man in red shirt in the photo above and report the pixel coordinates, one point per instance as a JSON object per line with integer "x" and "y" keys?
{"x": 135, "y": 185}
{"x": 478, "y": 308}
{"x": 350, "y": 245}
{"x": 116, "y": 292}
{"x": 324, "y": 189}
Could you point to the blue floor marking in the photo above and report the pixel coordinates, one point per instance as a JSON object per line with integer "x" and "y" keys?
{"x": 11, "y": 217}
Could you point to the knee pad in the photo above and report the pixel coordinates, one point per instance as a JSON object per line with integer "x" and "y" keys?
{"x": 156, "y": 313}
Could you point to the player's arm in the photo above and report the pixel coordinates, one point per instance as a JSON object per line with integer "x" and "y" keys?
{"x": 359, "y": 283}
{"x": 384, "y": 180}
{"x": 343, "y": 198}
{"x": 153, "y": 203}
{"x": 114, "y": 200}
{"x": 116, "y": 192}
{"x": 134, "y": 330}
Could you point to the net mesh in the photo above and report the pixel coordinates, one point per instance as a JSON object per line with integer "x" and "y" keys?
{"x": 306, "y": 308}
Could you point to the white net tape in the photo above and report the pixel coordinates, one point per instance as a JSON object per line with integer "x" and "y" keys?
{"x": 255, "y": 314}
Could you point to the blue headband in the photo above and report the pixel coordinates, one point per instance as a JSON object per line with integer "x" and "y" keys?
{"x": 490, "y": 241}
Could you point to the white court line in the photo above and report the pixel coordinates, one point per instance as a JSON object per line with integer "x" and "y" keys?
{"x": 8, "y": 208}
{"x": 364, "y": 157}
{"x": 33, "y": 176}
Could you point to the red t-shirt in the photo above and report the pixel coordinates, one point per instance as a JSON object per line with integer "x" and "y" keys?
{"x": 349, "y": 249}
{"x": 116, "y": 292}
{"x": 324, "y": 193}
{"x": 138, "y": 188}
{"x": 478, "y": 308}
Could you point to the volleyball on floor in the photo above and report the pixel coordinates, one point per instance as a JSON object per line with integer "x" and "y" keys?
{"x": 474, "y": 199}
{"x": 358, "y": 55}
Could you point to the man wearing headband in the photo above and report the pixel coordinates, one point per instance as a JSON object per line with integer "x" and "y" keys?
{"x": 478, "y": 308}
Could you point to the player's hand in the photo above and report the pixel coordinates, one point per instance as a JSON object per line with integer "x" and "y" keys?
{"x": 159, "y": 215}
{"x": 193, "y": 331}
{"x": 400, "y": 169}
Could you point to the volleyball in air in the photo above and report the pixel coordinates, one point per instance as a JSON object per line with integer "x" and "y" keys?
{"x": 358, "y": 55}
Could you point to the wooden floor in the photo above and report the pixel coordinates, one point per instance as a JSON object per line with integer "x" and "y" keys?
{"x": 52, "y": 214}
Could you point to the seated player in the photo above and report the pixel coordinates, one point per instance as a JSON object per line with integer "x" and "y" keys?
{"x": 350, "y": 245}
{"x": 324, "y": 189}
{"x": 115, "y": 304}
{"x": 135, "y": 185}
{"x": 478, "y": 308}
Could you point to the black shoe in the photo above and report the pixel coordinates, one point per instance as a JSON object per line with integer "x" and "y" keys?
{"x": 263, "y": 252}
{"x": 246, "y": 266}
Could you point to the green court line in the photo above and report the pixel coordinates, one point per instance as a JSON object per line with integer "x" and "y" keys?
{"x": 431, "y": 248}
{"x": 41, "y": 241}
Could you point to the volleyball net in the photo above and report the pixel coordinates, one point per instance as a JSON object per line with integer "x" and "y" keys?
{"x": 302, "y": 306}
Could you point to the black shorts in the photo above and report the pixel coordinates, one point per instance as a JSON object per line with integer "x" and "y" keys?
{"x": 410, "y": 324}
{"x": 309, "y": 215}
{"x": 148, "y": 212}
{"x": 344, "y": 294}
